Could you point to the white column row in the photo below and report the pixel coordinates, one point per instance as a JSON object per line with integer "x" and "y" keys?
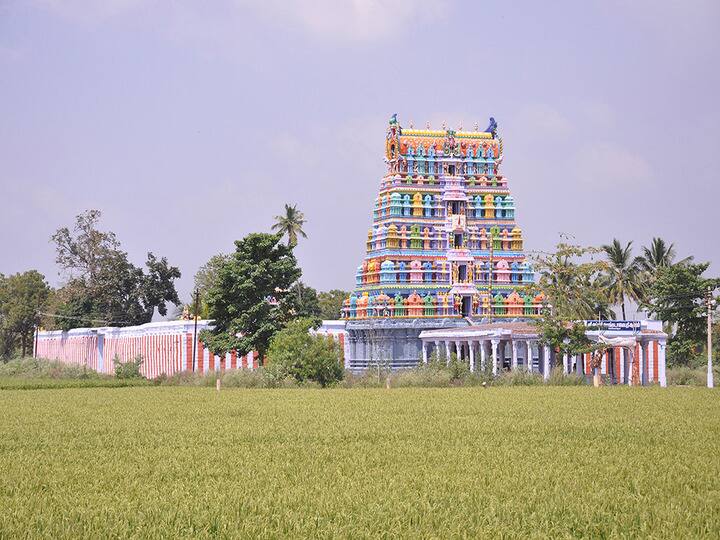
{"x": 496, "y": 348}
{"x": 493, "y": 347}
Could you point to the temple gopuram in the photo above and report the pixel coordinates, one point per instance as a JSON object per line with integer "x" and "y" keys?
{"x": 444, "y": 249}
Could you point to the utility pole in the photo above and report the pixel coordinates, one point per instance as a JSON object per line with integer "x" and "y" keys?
{"x": 195, "y": 311}
{"x": 710, "y": 381}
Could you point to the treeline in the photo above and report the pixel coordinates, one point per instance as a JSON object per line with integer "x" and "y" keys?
{"x": 101, "y": 287}
{"x": 255, "y": 291}
{"x": 582, "y": 283}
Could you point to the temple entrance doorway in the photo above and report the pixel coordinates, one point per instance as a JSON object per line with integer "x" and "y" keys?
{"x": 466, "y": 306}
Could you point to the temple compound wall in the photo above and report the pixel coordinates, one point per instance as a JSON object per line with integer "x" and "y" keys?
{"x": 635, "y": 348}
{"x": 166, "y": 347}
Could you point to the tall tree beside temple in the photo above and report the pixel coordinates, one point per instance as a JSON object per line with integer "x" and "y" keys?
{"x": 247, "y": 301}
{"x": 22, "y": 299}
{"x": 290, "y": 224}
{"x": 103, "y": 286}
{"x": 658, "y": 254}
{"x": 302, "y": 302}
{"x": 571, "y": 283}
{"x": 205, "y": 279}
{"x": 678, "y": 296}
{"x": 624, "y": 279}
{"x": 571, "y": 280}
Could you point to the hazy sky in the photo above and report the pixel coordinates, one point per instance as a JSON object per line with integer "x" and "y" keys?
{"x": 189, "y": 124}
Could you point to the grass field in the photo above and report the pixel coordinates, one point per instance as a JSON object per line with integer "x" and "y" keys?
{"x": 514, "y": 461}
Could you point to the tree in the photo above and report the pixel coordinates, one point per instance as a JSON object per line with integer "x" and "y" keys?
{"x": 205, "y": 278}
{"x": 624, "y": 279}
{"x": 570, "y": 280}
{"x": 82, "y": 253}
{"x": 246, "y": 300}
{"x": 22, "y": 298}
{"x": 659, "y": 255}
{"x": 570, "y": 283}
{"x": 304, "y": 356}
{"x": 290, "y": 224}
{"x": 678, "y": 296}
{"x": 331, "y": 303}
{"x": 302, "y": 302}
{"x": 103, "y": 286}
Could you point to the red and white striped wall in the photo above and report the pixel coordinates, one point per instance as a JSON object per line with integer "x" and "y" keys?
{"x": 650, "y": 355}
{"x": 166, "y": 348}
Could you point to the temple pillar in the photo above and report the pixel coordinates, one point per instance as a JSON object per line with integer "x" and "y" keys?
{"x": 513, "y": 343}
{"x": 471, "y": 345}
{"x": 494, "y": 344}
{"x": 565, "y": 363}
{"x": 458, "y": 350}
{"x": 621, "y": 375}
{"x": 424, "y": 353}
{"x": 643, "y": 351}
{"x": 528, "y": 356}
{"x": 437, "y": 350}
{"x": 350, "y": 356}
{"x": 447, "y": 351}
{"x": 546, "y": 362}
{"x": 483, "y": 344}
{"x": 661, "y": 363}
{"x": 360, "y": 352}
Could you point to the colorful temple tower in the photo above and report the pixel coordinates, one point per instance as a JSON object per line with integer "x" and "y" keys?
{"x": 444, "y": 249}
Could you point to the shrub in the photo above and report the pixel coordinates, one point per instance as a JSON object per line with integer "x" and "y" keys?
{"x": 686, "y": 376}
{"x": 276, "y": 376}
{"x": 425, "y": 376}
{"x": 305, "y": 357}
{"x": 129, "y": 369}
{"x": 458, "y": 370}
{"x": 519, "y": 378}
{"x": 263, "y": 377}
{"x": 558, "y": 378}
{"x": 46, "y": 369}
{"x": 370, "y": 378}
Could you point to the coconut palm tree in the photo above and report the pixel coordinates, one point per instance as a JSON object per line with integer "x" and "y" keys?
{"x": 624, "y": 276}
{"x": 291, "y": 224}
{"x": 658, "y": 255}
{"x": 575, "y": 290}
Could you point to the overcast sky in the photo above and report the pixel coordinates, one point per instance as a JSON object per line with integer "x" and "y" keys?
{"x": 190, "y": 124}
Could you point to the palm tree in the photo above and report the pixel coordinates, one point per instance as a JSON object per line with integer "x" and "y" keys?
{"x": 658, "y": 255}
{"x": 291, "y": 224}
{"x": 574, "y": 290}
{"x": 624, "y": 277}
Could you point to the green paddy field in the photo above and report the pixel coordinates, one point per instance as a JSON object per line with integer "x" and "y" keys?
{"x": 515, "y": 462}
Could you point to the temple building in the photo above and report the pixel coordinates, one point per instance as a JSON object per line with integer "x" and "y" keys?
{"x": 445, "y": 272}
{"x": 635, "y": 352}
{"x": 444, "y": 249}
